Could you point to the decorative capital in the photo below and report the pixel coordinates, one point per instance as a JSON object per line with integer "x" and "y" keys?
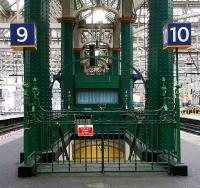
{"x": 67, "y": 20}
{"x": 128, "y": 19}
{"x": 116, "y": 49}
{"x": 78, "y": 49}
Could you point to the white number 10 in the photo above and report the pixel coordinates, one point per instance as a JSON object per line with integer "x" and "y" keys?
{"x": 180, "y": 38}
{"x": 22, "y": 34}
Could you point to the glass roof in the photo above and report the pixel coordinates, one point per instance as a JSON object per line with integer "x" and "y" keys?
{"x": 97, "y": 14}
{"x": 11, "y": 5}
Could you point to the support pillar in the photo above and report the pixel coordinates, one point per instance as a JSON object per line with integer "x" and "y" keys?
{"x": 77, "y": 48}
{"x": 36, "y": 63}
{"x": 160, "y": 62}
{"x": 127, "y": 54}
{"x": 127, "y": 61}
{"x": 77, "y": 56}
{"x": 67, "y": 64}
{"x": 115, "y": 63}
{"x": 115, "y": 69}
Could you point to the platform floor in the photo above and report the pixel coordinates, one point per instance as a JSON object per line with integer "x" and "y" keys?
{"x": 191, "y": 116}
{"x": 9, "y": 160}
{"x": 10, "y": 116}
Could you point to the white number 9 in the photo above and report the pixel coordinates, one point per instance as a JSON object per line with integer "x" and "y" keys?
{"x": 22, "y": 34}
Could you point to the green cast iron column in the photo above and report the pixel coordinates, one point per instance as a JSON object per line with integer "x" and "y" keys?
{"x": 127, "y": 61}
{"x": 36, "y": 63}
{"x": 160, "y": 62}
{"x": 67, "y": 65}
{"x": 115, "y": 63}
{"x": 77, "y": 56}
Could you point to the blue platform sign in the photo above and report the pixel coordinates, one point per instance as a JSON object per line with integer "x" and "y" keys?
{"x": 23, "y": 36}
{"x": 177, "y": 35}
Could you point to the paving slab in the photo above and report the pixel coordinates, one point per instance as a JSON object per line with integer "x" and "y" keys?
{"x": 9, "y": 161}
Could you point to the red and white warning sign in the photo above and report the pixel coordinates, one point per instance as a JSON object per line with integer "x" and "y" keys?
{"x": 85, "y": 130}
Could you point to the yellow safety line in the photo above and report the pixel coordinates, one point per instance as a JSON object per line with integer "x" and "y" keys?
{"x": 178, "y": 46}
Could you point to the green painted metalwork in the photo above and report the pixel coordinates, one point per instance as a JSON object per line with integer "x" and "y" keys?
{"x": 67, "y": 65}
{"x": 127, "y": 62}
{"x": 26, "y": 125}
{"x": 36, "y": 63}
{"x": 178, "y": 110}
{"x": 108, "y": 126}
{"x": 160, "y": 62}
{"x": 97, "y": 81}
{"x": 69, "y": 101}
{"x": 115, "y": 64}
{"x": 77, "y": 57}
{"x": 152, "y": 135}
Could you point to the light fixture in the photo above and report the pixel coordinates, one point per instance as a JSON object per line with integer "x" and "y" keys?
{"x": 97, "y": 49}
{"x": 97, "y": 52}
{"x": 99, "y": 15}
